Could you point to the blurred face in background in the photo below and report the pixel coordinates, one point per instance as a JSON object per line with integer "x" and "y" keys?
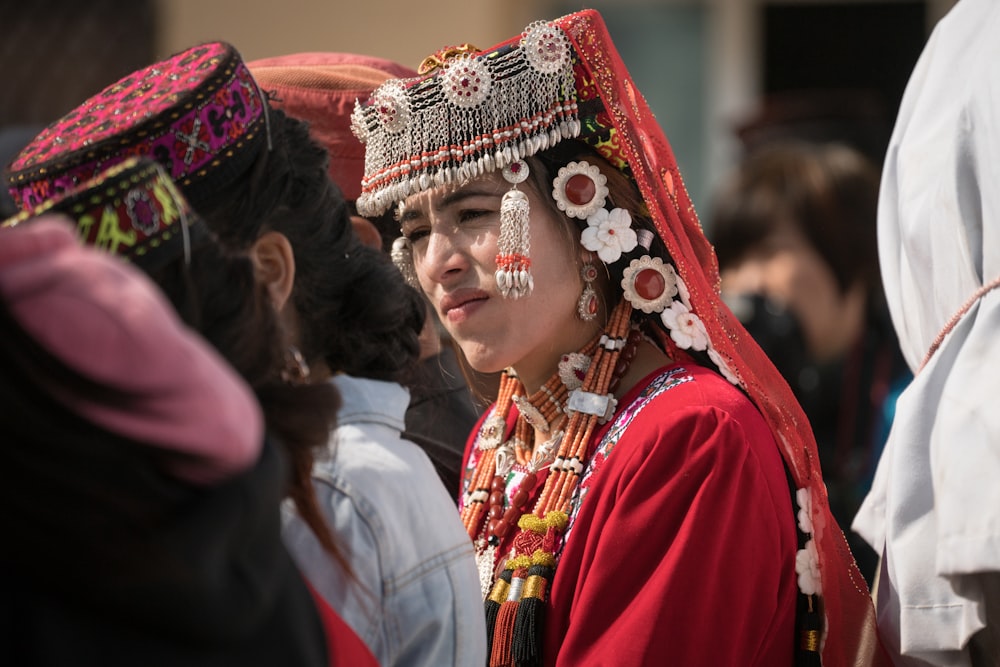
{"x": 786, "y": 268}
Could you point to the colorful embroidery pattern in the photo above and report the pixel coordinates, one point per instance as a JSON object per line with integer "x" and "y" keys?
{"x": 185, "y": 112}
{"x": 132, "y": 210}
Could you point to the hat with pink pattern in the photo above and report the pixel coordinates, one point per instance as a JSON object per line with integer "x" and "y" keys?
{"x": 199, "y": 113}
{"x": 132, "y": 209}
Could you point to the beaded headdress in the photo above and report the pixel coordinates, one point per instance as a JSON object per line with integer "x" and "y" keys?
{"x": 480, "y": 111}
{"x": 199, "y": 113}
{"x": 132, "y": 209}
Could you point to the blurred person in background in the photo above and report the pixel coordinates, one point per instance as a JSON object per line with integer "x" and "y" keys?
{"x": 135, "y": 212}
{"x": 794, "y": 230}
{"x": 157, "y": 537}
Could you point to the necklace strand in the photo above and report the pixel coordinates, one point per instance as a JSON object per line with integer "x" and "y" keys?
{"x": 611, "y": 353}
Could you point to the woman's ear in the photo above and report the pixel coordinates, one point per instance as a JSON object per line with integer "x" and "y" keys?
{"x": 367, "y": 232}
{"x": 274, "y": 266}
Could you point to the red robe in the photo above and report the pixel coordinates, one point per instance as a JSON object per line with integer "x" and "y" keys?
{"x": 681, "y": 547}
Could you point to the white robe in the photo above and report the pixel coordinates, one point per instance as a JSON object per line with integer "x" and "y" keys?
{"x": 934, "y": 508}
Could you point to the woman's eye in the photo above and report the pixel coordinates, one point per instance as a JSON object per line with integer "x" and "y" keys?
{"x": 472, "y": 214}
{"x": 414, "y": 235}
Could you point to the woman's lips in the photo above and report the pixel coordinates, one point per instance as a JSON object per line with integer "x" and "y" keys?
{"x": 459, "y": 306}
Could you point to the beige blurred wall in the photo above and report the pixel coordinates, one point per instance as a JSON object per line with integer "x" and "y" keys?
{"x": 404, "y": 31}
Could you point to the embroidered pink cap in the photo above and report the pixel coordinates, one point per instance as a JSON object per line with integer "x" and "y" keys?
{"x": 133, "y": 210}
{"x": 322, "y": 89}
{"x": 198, "y": 113}
{"x": 109, "y": 323}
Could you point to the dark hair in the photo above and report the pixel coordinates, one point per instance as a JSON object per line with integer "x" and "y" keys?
{"x": 828, "y": 191}
{"x": 38, "y": 427}
{"x": 218, "y": 296}
{"x": 354, "y": 309}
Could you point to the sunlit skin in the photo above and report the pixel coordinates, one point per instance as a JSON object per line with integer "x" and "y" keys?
{"x": 453, "y": 231}
{"x": 786, "y": 268}
{"x": 454, "y": 236}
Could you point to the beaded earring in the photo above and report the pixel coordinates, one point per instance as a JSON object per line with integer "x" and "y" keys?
{"x": 587, "y": 306}
{"x": 513, "y": 259}
{"x": 402, "y": 258}
{"x": 296, "y": 371}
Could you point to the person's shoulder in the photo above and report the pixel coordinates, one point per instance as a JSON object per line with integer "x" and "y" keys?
{"x": 689, "y": 398}
{"x": 689, "y": 384}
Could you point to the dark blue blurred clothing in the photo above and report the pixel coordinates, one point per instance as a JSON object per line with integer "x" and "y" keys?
{"x": 850, "y": 402}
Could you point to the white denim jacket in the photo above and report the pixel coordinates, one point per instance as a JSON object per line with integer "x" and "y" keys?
{"x": 415, "y": 597}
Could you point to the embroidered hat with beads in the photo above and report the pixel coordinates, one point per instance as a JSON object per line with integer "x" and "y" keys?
{"x": 460, "y": 119}
{"x": 199, "y": 113}
{"x": 132, "y": 209}
{"x": 322, "y": 88}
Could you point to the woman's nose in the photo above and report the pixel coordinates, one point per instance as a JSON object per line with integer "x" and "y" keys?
{"x": 443, "y": 259}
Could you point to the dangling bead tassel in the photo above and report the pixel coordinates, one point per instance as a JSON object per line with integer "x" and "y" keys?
{"x": 492, "y": 605}
{"x": 503, "y": 633}
{"x": 513, "y": 259}
{"x": 527, "y": 648}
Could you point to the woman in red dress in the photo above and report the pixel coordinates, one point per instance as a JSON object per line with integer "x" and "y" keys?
{"x": 645, "y": 489}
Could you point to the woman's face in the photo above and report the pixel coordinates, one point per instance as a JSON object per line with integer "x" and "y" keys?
{"x": 453, "y": 231}
{"x": 788, "y": 269}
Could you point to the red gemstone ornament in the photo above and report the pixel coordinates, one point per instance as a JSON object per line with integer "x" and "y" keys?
{"x": 580, "y": 189}
{"x": 649, "y": 284}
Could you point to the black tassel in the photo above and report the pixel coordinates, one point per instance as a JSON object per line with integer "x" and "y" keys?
{"x": 492, "y": 608}
{"x": 809, "y": 628}
{"x": 530, "y": 620}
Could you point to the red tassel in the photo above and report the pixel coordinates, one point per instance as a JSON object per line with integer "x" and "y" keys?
{"x": 503, "y": 636}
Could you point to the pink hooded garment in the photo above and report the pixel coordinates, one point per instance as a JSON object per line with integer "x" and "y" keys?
{"x": 106, "y": 321}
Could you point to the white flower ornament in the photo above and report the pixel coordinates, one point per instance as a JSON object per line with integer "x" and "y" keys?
{"x": 807, "y": 567}
{"x": 804, "y": 501}
{"x": 686, "y": 328}
{"x": 609, "y": 234}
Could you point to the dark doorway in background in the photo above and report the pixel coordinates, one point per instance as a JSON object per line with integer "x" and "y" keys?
{"x": 837, "y": 70}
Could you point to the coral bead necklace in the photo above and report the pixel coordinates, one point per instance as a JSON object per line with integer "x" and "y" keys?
{"x": 568, "y": 409}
